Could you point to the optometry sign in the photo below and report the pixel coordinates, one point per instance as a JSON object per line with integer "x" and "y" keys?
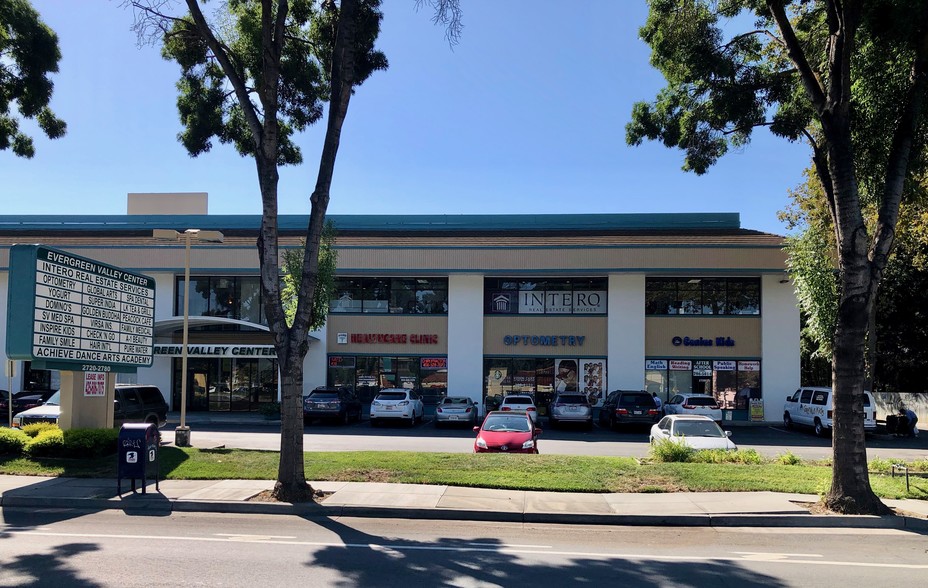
{"x": 72, "y": 313}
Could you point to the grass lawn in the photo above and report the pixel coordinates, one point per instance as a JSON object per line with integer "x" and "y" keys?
{"x": 556, "y": 473}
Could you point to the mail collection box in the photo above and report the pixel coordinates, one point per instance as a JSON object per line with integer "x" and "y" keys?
{"x": 138, "y": 454}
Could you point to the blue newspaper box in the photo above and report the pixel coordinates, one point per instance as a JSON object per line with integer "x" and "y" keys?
{"x": 138, "y": 454}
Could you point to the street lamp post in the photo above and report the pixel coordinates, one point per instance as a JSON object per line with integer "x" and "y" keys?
{"x": 182, "y": 433}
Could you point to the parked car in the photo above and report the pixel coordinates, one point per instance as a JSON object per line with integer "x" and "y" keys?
{"x": 456, "y": 409}
{"x": 397, "y": 404}
{"x": 133, "y": 403}
{"x": 339, "y": 404}
{"x": 523, "y": 402}
{"x": 691, "y": 404}
{"x": 813, "y": 406}
{"x": 696, "y": 431}
{"x": 21, "y": 401}
{"x": 507, "y": 431}
{"x": 570, "y": 407}
{"x": 626, "y": 407}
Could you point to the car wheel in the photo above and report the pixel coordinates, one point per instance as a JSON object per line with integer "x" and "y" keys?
{"x": 589, "y": 425}
{"x": 307, "y": 422}
{"x": 344, "y": 419}
{"x": 612, "y": 423}
{"x": 819, "y": 428}
{"x": 787, "y": 420}
{"x": 552, "y": 422}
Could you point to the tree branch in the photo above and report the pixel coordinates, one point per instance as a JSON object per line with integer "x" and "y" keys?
{"x": 797, "y": 55}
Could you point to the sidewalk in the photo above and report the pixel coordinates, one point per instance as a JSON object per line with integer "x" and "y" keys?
{"x": 356, "y": 499}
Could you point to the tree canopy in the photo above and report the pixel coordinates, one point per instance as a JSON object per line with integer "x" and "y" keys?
{"x": 28, "y": 54}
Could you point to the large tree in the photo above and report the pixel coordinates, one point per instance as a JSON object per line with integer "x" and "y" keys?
{"x": 254, "y": 72}
{"x": 28, "y": 54}
{"x": 849, "y": 77}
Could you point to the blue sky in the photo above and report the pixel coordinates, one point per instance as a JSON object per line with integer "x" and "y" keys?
{"x": 526, "y": 115}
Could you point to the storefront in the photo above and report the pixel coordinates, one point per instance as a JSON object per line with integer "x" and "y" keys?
{"x": 479, "y": 306}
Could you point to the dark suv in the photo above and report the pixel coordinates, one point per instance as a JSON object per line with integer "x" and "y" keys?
{"x": 139, "y": 404}
{"x": 338, "y": 404}
{"x": 625, "y": 407}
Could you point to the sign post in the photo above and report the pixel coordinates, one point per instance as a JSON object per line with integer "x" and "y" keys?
{"x": 10, "y": 374}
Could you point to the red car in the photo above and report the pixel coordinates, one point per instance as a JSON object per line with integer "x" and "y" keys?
{"x": 507, "y": 432}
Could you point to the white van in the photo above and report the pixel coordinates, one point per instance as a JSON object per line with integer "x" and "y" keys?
{"x": 813, "y": 406}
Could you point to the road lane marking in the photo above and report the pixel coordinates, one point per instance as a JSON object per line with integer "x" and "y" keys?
{"x": 398, "y": 549}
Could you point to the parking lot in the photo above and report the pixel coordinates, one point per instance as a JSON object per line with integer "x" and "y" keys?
{"x": 248, "y": 431}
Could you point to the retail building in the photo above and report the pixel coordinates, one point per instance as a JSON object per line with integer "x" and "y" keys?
{"x": 472, "y": 305}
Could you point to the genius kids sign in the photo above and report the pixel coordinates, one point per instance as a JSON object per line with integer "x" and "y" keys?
{"x": 72, "y": 313}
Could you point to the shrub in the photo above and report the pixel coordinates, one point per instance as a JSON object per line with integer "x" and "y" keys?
{"x": 789, "y": 458}
{"x": 12, "y": 441}
{"x": 743, "y": 456}
{"x": 882, "y": 466}
{"x": 90, "y": 443}
{"x": 48, "y": 443}
{"x": 270, "y": 410}
{"x": 36, "y": 428}
{"x": 667, "y": 450}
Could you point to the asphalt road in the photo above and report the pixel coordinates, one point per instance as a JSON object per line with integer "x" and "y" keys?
{"x": 110, "y": 548}
{"x": 768, "y": 441}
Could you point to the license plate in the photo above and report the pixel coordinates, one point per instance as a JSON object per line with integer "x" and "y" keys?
{"x": 638, "y": 412}
{"x": 572, "y": 409}
{"x": 390, "y": 407}
{"x": 452, "y": 418}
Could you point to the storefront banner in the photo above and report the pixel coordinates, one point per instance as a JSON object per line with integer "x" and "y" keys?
{"x": 554, "y": 302}
{"x": 723, "y": 366}
{"x": 531, "y": 302}
{"x": 593, "y": 382}
{"x": 341, "y": 361}
{"x": 702, "y": 369}
{"x": 433, "y": 363}
{"x": 748, "y": 366}
{"x": 94, "y": 384}
{"x": 681, "y": 365}
{"x": 565, "y": 375}
{"x": 217, "y": 350}
{"x": 655, "y": 364}
{"x": 757, "y": 409}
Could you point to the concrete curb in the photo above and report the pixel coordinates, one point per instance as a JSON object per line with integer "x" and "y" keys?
{"x": 162, "y": 506}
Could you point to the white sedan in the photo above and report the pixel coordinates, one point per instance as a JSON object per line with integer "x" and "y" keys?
{"x": 696, "y": 431}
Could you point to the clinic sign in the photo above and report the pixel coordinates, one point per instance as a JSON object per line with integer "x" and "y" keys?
{"x": 72, "y": 313}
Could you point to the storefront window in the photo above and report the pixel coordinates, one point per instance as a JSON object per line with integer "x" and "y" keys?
{"x": 224, "y": 384}
{"x": 393, "y": 295}
{"x": 690, "y": 296}
{"x": 655, "y": 377}
{"x": 733, "y": 383}
{"x": 228, "y": 297}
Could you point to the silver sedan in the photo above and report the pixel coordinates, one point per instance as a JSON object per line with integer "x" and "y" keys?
{"x": 456, "y": 409}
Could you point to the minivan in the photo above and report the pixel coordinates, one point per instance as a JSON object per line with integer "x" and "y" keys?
{"x": 813, "y": 406}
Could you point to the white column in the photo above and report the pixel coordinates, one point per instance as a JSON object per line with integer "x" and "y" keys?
{"x": 465, "y": 336}
{"x": 625, "y": 332}
{"x": 780, "y": 373}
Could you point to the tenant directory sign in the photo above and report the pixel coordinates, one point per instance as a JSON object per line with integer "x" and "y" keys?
{"x": 73, "y": 313}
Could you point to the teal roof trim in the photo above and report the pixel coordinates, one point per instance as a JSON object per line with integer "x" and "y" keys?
{"x": 440, "y": 223}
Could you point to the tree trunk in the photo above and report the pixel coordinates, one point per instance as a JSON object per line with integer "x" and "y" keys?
{"x": 291, "y": 483}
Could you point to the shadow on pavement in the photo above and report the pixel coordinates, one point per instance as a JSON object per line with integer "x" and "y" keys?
{"x": 369, "y": 560}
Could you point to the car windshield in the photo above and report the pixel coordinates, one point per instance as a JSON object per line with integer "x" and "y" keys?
{"x": 323, "y": 395}
{"x": 700, "y": 401}
{"x": 517, "y": 400}
{"x": 461, "y": 401}
{"x": 572, "y": 399}
{"x": 696, "y": 429}
{"x": 55, "y": 399}
{"x": 391, "y": 396}
{"x": 506, "y": 424}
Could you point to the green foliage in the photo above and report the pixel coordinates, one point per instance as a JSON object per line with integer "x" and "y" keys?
{"x": 668, "y": 450}
{"x": 35, "y": 428}
{"x": 270, "y": 410}
{"x": 789, "y": 458}
{"x": 48, "y": 443}
{"x": 12, "y": 441}
{"x": 741, "y": 456}
{"x": 208, "y": 110}
{"x": 28, "y": 53}
{"x": 325, "y": 278}
{"x": 882, "y": 466}
{"x": 89, "y": 443}
{"x": 811, "y": 265}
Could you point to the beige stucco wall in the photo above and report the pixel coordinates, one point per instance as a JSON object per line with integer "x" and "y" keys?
{"x": 660, "y": 331}
{"x": 397, "y": 324}
{"x": 592, "y": 329}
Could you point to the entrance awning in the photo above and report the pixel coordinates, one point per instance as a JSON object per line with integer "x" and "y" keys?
{"x": 167, "y": 327}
